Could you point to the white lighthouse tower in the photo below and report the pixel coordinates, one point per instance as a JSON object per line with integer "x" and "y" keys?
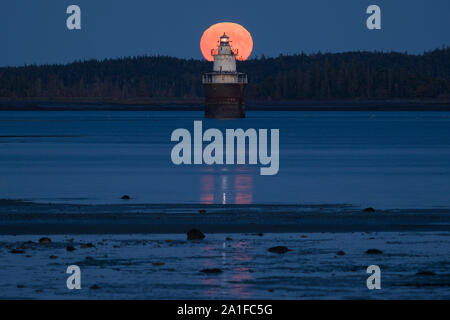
{"x": 224, "y": 87}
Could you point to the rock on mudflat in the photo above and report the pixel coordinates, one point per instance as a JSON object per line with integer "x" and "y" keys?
{"x": 340, "y": 253}
{"x": 374, "y": 251}
{"x": 70, "y": 248}
{"x": 195, "y": 234}
{"x": 279, "y": 249}
{"x": 126, "y": 197}
{"x": 16, "y": 251}
{"x": 87, "y": 245}
{"x": 202, "y": 211}
{"x": 211, "y": 271}
{"x": 369, "y": 210}
{"x": 45, "y": 240}
{"x": 95, "y": 287}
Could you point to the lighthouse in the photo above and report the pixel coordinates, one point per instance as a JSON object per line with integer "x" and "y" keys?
{"x": 224, "y": 87}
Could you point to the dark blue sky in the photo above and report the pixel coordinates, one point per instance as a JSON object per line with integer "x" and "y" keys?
{"x": 35, "y": 31}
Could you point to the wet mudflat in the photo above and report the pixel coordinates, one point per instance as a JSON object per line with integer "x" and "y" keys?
{"x": 414, "y": 265}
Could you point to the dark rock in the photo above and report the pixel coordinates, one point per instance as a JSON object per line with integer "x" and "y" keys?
{"x": 374, "y": 251}
{"x": 126, "y": 197}
{"x": 158, "y": 263}
{"x": 211, "y": 271}
{"x": 89, "y": 258}
{"x": 340, "y": 253}
{"x": 17, "y": 251}
{"x": 425, "y": 273}
{"x": 45, "y": 240}
{"x": 70, "y": 248}
{"x": 279, "y": 249}
{"x": 202, "y": 211}
{"x": 87, "y": 245}
{"x": 95, "y": 287}
{"x": 20, "y": 286}
{"x": 53, "y": 257}
{"x": 271, "y": 290}
{"x": 195, "y": 234}
{"x": 260, "y": 234}
{"x": 303, "y": 236}
{"x": 369, "y": 210}
{"x": 228, "y": 239}
{"x": 116, "y": 246}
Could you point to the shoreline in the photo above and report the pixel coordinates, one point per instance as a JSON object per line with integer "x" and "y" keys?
{"x": 197, "y": 104}
{"x": 18, "y": 217}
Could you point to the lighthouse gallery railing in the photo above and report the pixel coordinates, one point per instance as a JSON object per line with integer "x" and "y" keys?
{"x": 240, "y": 77}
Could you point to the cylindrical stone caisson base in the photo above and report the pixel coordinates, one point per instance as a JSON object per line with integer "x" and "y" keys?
{"x": 224, "y": 100}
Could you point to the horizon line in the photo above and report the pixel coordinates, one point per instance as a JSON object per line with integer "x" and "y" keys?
{"x": 253, "y": 57}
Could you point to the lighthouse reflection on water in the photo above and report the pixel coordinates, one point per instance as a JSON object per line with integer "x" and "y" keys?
{"x": 226, "y": 186}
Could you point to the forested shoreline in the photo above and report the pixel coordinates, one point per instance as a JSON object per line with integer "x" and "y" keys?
{"x": 302, "y": 77}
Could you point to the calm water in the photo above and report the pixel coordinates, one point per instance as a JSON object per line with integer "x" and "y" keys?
{"x": 380, "y": 159}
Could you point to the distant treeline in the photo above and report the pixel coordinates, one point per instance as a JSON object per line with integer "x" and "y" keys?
{"x": 330, "y": 76}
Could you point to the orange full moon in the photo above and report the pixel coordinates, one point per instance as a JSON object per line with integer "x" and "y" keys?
{"x": 240, "y": 39}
